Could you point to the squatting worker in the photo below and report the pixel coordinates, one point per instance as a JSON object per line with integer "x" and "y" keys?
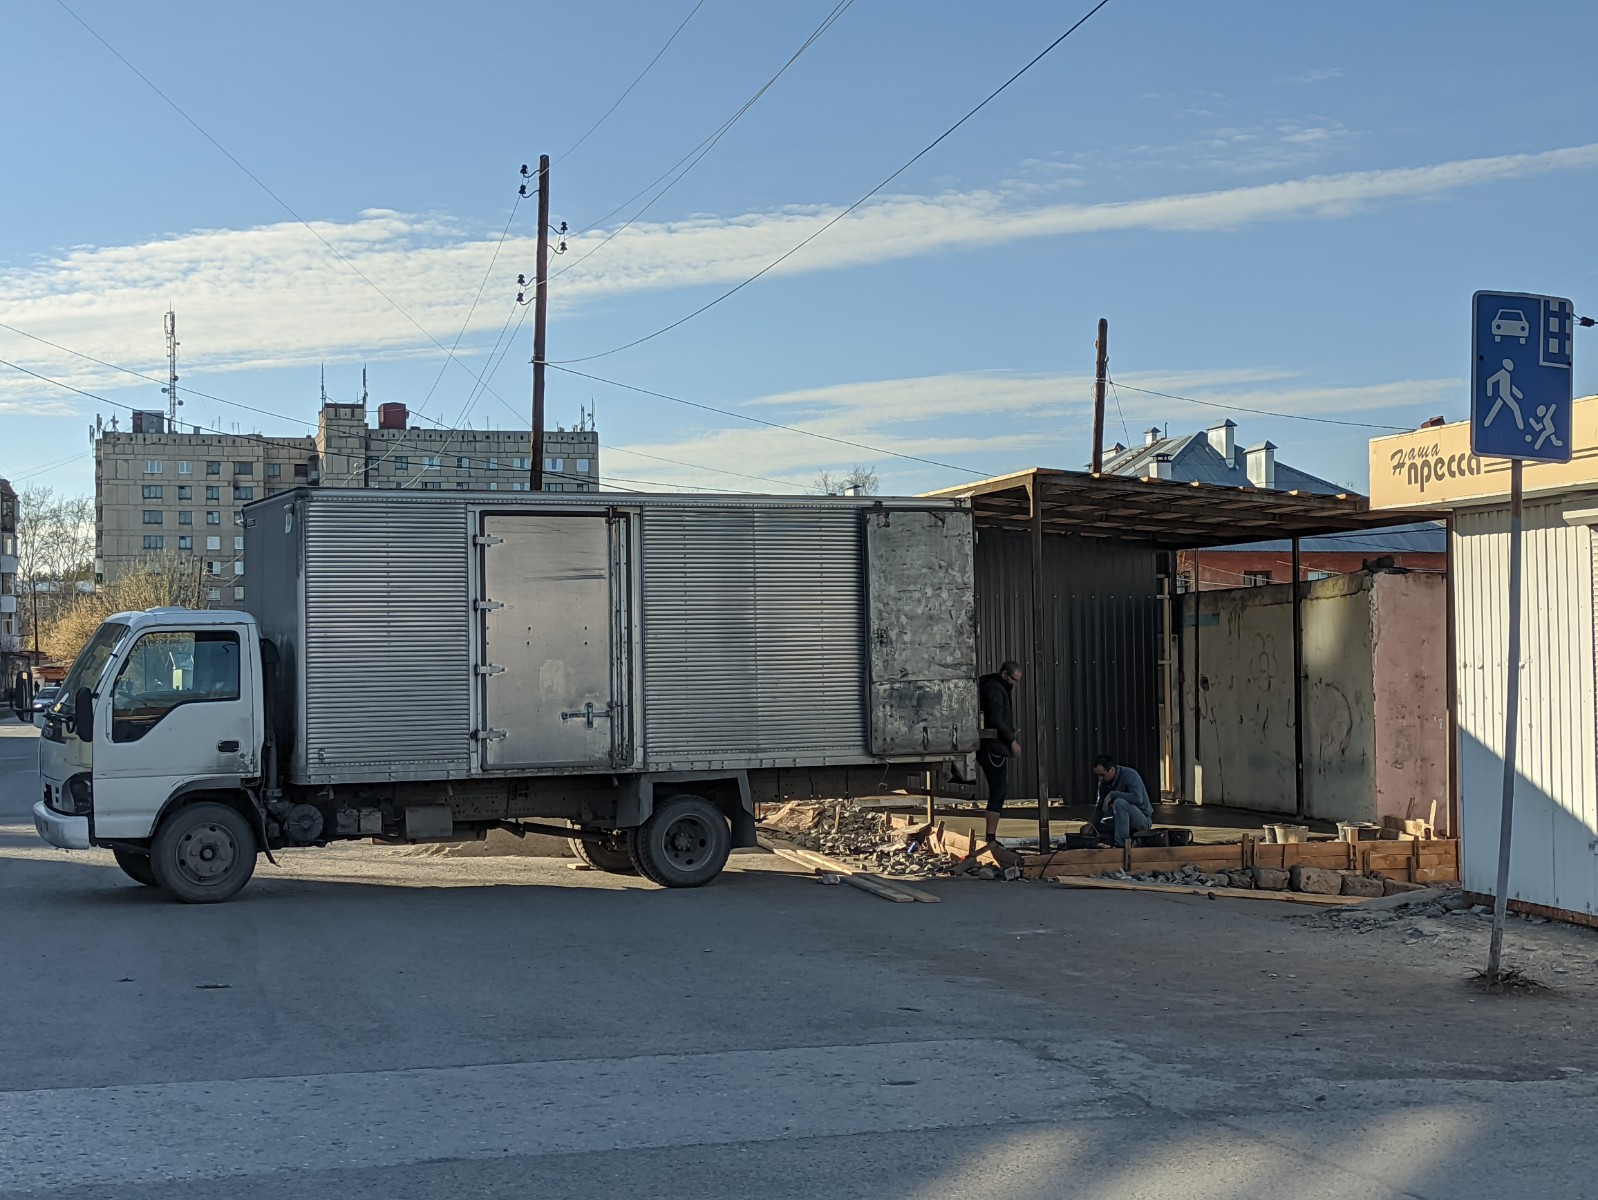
{"x": 1124, "y": 807}
{"x": 994, "y": 754}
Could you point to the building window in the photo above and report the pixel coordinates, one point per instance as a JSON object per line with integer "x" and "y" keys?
{"x": 554, "y": 464}
{"x": 554, "y": 487}
{"x": 493, "y": 464}
{"x": 185, "y": 468}
{"x": 519, "y": 487}
{"x": 462, "y": 463}
{"x": 238, "y": 568}
{"x": 213, "y": 517}
{"x": 152, "y": 466}
{"x": 1256, "y": 578}
{"x": 213, "y": 493}
{"x": 582, "y": 466}
{"x": 213, "y": 566}
{"x": 462, "y": 486}
{"x": 580, "y": 487}
{"x": 521, "y": 464}
{"x": 185, "y": 517}
{"x": 1317, "y": 574}
{"x": 154, "y": 541}
{"x": 243, "y": 469}
{"x": 274, "y": 470}
{"x": 430, "y": 463}
{"x": 154, "y": 491}
{"x": 238, "y": 593}
{"x": 244, "y": 493}
{"x": 238, "y": 541}
{"x": 371, "y": 462}
{"x": 213, "y": 593}
{"x": 213, "y": 543}
{"x": 213, "y": 468}
{"x": 302, "y": 470}
{"x": 431, "y": 485}
{"x": 402, "y": 463}
{"x": 186, "y": 542}
{"x": 238, "y": 517}
{"x": 492, "y": 486}
{"x": 153, "y": 517}
{"x": 185, "y": 492}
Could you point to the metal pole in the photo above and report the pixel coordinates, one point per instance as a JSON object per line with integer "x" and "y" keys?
{"x": 1451, "y": 638}
{"x": 540, "y": 312}
{"x": 1298, "y": 686}
{"x": 1511, "y": 728}
{"x": 1101, "y": 372}
{"x": 1040, "y": 724}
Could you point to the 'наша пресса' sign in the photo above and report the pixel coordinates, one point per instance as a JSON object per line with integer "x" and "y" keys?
{"x": 1434, "y": 468}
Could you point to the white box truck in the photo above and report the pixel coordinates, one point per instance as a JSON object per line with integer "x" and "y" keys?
{"x": 641, "y": 669}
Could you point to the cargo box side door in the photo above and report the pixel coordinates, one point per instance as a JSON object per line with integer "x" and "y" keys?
{"x": 554, "y": 638}
{"x": 921, "y": 631}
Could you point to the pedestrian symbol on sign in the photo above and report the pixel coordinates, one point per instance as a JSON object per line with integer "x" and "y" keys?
{"x": 1543, "y": 424}
{"x": 1503, "y": 383}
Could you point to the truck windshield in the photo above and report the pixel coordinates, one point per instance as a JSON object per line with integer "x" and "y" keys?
{"x": 90, "y": 662}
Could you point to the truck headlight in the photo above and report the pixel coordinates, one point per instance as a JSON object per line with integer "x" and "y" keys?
{"x": 77, "y": 797}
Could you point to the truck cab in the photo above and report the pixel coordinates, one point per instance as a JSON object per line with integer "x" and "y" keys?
{"x": 160, "y": 714}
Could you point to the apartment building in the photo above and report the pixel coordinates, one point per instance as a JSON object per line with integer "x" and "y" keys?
{"x": 160, "y": 492}
{"x": 9, "y": 628}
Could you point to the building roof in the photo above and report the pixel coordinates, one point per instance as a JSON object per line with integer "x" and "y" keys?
{"x": 1424, "y": 537}
{"x": 1193, "y": 458}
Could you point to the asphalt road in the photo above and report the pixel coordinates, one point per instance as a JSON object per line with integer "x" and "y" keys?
{"x": 364, "y": 1024}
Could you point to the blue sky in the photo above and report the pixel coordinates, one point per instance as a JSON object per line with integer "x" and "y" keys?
{"x": 1277, "y": 206}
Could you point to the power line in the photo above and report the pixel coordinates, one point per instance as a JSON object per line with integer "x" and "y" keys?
{"x": 1265, "y": 412}
{"x": 635, "y": 82}
{"x": 826, "y": 437}
{"x": 256, "y": 179}
{"x": 920, "y": 154}
{"x": 699, "y": 151}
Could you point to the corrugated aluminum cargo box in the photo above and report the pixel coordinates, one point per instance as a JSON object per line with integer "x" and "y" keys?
{"x": 440, "y": 637}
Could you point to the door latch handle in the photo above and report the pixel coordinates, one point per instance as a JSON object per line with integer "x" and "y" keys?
{"x": 228, "y": 747}
{"x": 588, "y": 714}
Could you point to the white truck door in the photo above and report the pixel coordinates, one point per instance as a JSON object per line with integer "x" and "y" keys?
{"x": 181, "y": 707}
{"x": 553, "y": 693}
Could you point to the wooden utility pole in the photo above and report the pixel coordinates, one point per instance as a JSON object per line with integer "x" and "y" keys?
{"x": 540, "y": 312}
{"x": 1100, "y": 376}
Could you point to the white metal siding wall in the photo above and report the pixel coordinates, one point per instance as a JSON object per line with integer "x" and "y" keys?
{"x": 1553, "y": 862}
{"x": 753, "y": 639}
{"x": 387, "y": 641}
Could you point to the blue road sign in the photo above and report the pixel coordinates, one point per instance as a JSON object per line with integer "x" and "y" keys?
{"x": 1520, "y": 387}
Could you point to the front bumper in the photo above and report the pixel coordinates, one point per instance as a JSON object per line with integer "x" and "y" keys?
{"x": 68, "y": 833}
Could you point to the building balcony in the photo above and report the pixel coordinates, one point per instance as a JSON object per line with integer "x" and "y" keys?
{"x": 8, "y": 604}
{"x": 8, "y": 564}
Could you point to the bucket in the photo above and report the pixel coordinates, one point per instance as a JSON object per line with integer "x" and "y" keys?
{"x": 1292, "y": 833}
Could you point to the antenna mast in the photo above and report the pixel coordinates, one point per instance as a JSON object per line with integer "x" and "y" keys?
{"x": 171, "y": 388}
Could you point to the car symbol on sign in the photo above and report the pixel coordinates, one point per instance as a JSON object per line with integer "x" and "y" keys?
{"x": 1511, "y": 322}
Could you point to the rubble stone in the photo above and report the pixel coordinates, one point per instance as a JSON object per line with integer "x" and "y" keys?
{"x": 1316, "y": 881}
{"x": 1392, "y": 887}
{"x": 1239, "y": 879}
{"x": 1360, "y": 885}
{"x": 1272, "y": 879}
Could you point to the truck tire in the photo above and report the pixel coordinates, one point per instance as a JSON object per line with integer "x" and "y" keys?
{"x": 611, "y": 856}
{"x": 683, "y": 844}
{"x": 136, "y": 866}
{"x": 203, "y": 853}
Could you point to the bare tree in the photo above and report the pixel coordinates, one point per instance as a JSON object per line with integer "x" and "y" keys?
{"x": 159, "y": 580}
{"x": 55, "y": 554}
{"x": 861, "y": 481}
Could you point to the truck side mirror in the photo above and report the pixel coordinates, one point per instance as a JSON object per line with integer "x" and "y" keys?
{"x": 83, "y": 714}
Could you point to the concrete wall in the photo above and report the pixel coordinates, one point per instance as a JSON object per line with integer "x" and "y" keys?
{"x": 1236, "y": 673}
{"x": 1411, "y": 695}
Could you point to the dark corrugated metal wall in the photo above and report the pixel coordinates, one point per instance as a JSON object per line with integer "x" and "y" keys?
{"x": 1101, "y": 691}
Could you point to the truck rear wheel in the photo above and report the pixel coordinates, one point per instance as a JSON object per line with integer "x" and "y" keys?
{"x": 136, "y": 866}
{"x": 610, "y": 855}
{"x": 684, "y": 843}
{"x": 203, "y": 853}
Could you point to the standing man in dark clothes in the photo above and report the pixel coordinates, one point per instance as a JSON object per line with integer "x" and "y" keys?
{"x": 994, "y": 754}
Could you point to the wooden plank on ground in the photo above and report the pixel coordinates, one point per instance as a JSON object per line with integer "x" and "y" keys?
{"x": 1121, "y": 885}
{"x": 856, "y": 876}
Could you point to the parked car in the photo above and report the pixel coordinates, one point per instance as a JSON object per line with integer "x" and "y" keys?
{"x": 44, "y": 698}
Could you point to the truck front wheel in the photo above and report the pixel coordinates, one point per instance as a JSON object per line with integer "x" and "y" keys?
{"x": 683, "y": 844}
{"x": 610, "y": 855}
{"x": 203, "y": 853}
{"x": 136, "y": 866}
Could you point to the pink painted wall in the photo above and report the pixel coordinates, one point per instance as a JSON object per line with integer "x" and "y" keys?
{"x": 1409, "y": 694}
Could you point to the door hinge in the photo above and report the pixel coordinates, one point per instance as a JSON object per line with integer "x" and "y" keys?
{"x": 488, "y": 669}
{"x": 488, "y": 735}
{"x": 486, "y": 605}
{"x": 487, "y": 539}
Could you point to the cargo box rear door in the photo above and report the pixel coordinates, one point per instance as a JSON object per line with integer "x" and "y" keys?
{"x": 553, "y": 671}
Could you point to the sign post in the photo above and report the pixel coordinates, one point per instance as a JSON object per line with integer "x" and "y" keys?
{"x": 1520, "y": 396}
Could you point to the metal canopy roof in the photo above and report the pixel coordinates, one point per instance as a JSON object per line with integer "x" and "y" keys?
{"x": 1165, "y": 513}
